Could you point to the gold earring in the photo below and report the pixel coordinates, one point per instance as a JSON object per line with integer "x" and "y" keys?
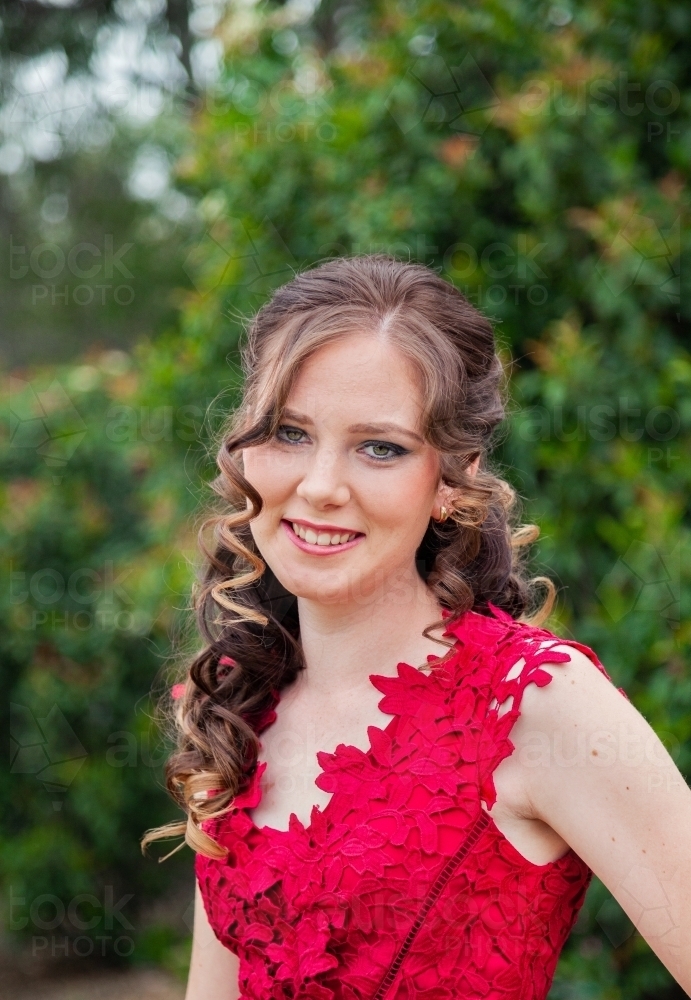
{"x": 443, "y": 514}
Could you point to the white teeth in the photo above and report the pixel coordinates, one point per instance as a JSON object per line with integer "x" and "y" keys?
{"x": 322, "y": 537}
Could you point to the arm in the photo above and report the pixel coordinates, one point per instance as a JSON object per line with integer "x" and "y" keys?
{"x": 213, "y": 969}
{"x": 611, "y": 790}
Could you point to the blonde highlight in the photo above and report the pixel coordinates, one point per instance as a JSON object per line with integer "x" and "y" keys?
{"x": 473, "y": 558}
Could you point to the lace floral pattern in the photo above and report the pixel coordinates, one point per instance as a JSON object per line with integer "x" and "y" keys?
{"x": 321, "y": 911}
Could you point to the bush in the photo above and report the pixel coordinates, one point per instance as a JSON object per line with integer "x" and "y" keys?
{"x": 538, "y": 158}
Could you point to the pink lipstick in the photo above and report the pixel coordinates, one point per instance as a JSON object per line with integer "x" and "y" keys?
{"x": 320, "y": 550}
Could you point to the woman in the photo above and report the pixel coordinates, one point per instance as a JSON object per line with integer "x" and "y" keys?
{"x": 400, "y": 846}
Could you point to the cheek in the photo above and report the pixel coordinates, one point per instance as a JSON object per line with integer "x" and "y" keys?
{"x": 404, "y": 498}
{"x": 271, "y": 477}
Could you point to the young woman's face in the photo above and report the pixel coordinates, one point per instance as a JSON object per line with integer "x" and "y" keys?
{"x": 348, "y": 483}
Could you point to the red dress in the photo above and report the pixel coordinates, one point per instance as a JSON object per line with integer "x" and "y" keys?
{"x": 403, "y": 887}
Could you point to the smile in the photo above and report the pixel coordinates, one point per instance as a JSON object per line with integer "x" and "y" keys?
{"x": 320, "y": 541}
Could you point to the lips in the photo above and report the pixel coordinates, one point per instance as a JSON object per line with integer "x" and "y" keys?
{"x": 320, "y": 540}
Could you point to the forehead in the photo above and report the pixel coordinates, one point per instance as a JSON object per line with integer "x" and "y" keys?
{"x": 359, "y": 377}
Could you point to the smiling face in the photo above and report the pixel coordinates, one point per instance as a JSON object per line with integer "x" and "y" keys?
{"x": 348, "y": 483}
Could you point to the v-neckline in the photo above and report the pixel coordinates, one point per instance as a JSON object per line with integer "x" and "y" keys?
{"x": 324, "y": 813}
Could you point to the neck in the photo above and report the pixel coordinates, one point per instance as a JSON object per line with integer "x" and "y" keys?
{"x": 344, "y": 643}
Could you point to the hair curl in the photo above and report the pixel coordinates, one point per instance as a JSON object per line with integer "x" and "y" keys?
{"x": 469, "y": 560}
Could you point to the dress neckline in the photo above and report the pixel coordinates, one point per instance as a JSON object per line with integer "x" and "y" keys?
{"x": 293, "y": 819}
{"x": 253, "y": 796}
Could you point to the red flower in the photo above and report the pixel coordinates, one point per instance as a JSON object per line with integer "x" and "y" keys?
{"x": 252, "y": 795}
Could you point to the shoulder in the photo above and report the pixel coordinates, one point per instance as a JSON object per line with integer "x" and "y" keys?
{"x": 577, "y": 684}
{"x": 576, "y": 714}
{"x": 572, "y": 722}
{"x": 594, "y": 770}
{"x": 516, "y": 654}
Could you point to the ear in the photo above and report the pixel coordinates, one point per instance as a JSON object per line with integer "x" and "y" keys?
{"x": 444, "y": 493}
{"x": 442, "y": 499}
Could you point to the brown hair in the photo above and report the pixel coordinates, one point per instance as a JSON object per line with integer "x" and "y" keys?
{"x": 469, "y": 560}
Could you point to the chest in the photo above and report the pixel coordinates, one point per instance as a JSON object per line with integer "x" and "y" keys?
{"x": 400, "y": 778}
{"x": 305, "y": 729}
{"x": 289, "y": 748}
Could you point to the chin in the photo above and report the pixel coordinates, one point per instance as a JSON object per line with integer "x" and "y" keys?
{"x": 320, "y": 588}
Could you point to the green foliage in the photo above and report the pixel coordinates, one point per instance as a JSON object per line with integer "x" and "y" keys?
{"x": 85, "y": 264}
{"x": 538, "y": 157}
{"x": 92, "y": 551}
{"x": 161, "y": 945}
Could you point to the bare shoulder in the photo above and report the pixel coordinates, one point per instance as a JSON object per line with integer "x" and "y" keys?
{"x": 578, "y": 689}
{"x": 596, "y": 772}
{"x": 580, "y": 723}
{"x": 555, "y": 726}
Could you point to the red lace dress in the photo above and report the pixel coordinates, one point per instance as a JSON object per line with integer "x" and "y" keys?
{"x": 403, "y": 887}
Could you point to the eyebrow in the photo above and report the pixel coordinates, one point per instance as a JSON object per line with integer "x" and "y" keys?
{"x": 360, "y": 428}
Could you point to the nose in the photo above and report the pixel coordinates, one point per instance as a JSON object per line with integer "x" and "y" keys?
{"x": 324, "y": 483}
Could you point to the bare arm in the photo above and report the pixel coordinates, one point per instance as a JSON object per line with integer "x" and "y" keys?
{"x": 213, "y": 969}
{"x": 605, "y": 782}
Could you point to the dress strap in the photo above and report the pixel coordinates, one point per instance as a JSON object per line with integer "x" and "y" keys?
{"x": 514, "y": 653}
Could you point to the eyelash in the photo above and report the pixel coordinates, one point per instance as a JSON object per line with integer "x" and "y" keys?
{"x": 397, "y": 449}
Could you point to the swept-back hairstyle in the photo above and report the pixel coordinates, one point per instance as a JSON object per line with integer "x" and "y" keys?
{"x": 470, "y": 559}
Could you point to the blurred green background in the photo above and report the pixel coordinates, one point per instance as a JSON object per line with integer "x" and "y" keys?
{"x": 163, "y": 167}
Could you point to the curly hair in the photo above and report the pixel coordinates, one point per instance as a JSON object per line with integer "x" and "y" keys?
{"x": 243, "y": 613}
